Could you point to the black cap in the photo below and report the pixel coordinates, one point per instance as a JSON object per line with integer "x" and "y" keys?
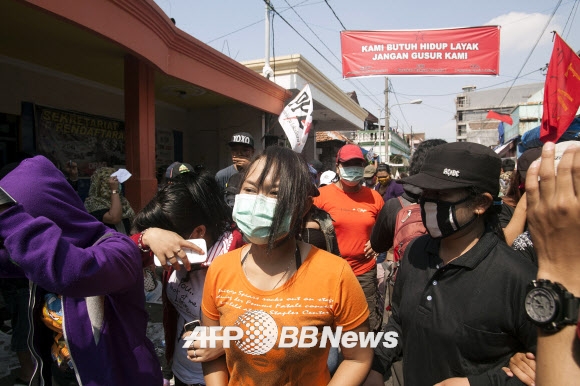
{"x": 242, "y": 138}
{"x": 234, "y": 183}
{"x": 458, "y": 165}
{"x": 527, "y": 158}
{"x": 177, "y": 168}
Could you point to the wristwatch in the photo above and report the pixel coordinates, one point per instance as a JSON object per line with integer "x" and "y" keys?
{"x": 5, "y": 198}
{"x": 550, "y": 306}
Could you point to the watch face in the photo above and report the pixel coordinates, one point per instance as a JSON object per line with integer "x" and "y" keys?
{"x": 540, "y": 305}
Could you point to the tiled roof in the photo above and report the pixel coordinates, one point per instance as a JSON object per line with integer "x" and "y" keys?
{"x": 324, "y": 136}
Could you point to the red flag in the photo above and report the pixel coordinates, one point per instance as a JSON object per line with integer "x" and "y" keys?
{"x": 505, "y": 118}
{"x": 561, "y": 92}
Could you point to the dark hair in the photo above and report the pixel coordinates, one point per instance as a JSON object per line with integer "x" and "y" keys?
{"x": 160, "y": 174}
{"x": 491, "y": 215}
{"x": 291, "y": 169}
{"x": 508, "y": 164}
{"x": 420, "y": 153}
{"x": 382, "y": 167}
{"x": 191, "y": 200}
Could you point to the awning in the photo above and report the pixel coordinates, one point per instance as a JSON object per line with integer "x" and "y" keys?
{"x": 502, "y": 150}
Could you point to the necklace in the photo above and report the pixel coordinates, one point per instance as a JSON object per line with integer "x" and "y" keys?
{"x": 279, "y": 281}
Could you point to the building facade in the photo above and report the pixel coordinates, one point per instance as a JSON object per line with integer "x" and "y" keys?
{"x": 472, "y": 107}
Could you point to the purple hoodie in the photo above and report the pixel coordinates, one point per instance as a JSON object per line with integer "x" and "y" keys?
{"x": 50, "y": 239}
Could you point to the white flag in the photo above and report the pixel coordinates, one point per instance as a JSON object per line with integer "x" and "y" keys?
{"x": 296, "y": 119}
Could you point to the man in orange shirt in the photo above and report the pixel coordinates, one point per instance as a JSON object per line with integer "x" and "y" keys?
{"x": 354, "y": 209}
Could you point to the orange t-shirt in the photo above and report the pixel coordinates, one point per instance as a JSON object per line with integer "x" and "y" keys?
{"x": 354, "y": 216}
{"x": 323, "y": 292}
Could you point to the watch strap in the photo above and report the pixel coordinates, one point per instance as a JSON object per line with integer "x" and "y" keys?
{"x": 570, "y": 309}
{"x": 5, "y": 198}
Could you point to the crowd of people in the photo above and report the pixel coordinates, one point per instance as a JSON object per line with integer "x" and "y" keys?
{"x": 464, "y": 269}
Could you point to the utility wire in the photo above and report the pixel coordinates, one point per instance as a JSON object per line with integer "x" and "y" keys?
{"x": 532, "y": 50}
{"x": 249, "y": 25}
{"x": 314, "y": 33}
{"x": 233, "y": 32}
{"x": 310, "y": 44}
{"x": 299, "y": 34}
{"x": 454, "y": 93}
{"x": 328, "y": 48}
{"x": 397, "y": 98}
{"x": 343, "y": 27}
{"x": 573, "y": 10}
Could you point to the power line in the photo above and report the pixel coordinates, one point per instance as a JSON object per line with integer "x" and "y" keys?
{"x": 332, "y": 52}
{"x": 249, "y": 25}
{"x": 311, "y": 30}
{"x": 343, "y": 27}
{"x": 573, "y": 10}
{"x": 310, "y": 44}
{"x": 298, "y": 33}
{"x": 233, "y": 32}
{"x": 532, "y": 50}
{"x": 479, "y": 88}
{"x": 399, "y": 103}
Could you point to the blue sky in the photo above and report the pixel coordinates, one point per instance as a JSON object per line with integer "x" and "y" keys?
{"x": 236, "y": 28}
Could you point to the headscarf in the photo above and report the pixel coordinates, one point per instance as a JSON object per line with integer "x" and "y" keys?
{"x": 100, "y": 194}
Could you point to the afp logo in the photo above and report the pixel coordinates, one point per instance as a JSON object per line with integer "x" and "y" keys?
{"x": 451, "y": 172}
{"x": 241, "y": 139}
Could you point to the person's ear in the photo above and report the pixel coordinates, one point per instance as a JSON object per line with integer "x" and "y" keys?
{"x": 198, "y": 232}
{"x": 482, "y": 203}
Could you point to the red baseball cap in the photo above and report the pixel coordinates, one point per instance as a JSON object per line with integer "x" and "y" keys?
{"x": 349, "y": 152}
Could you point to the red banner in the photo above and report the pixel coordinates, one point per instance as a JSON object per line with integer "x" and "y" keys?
{"x": 461, "y": 51}
{"x": 561, "y": 91}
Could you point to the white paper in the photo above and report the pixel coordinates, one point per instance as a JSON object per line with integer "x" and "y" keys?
{"x": 122, "y": 175}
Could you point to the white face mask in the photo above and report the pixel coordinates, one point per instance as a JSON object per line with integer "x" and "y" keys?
{"x": 351, "y": 174}
{"x": 254, "y": 214}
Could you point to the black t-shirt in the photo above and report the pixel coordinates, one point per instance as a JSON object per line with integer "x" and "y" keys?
{"x": 463, "y": 319}
{"x": 99, "y": 214}
{"x": 506, "y": 214}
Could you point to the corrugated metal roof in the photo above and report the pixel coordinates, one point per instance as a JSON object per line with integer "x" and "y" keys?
{"x": 490, "y": 98}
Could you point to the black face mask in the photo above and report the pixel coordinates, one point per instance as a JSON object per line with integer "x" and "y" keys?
{"x": 369, "y": 182}
{"x": 439, "y": 217}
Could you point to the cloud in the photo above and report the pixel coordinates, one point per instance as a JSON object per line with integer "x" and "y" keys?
{"x": 519, "y": 31}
